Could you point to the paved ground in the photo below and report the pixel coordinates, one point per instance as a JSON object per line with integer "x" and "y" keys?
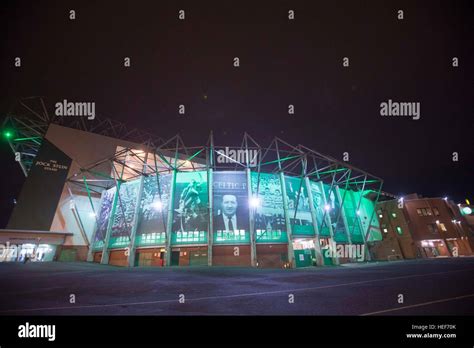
{"x": 429, "y": 287}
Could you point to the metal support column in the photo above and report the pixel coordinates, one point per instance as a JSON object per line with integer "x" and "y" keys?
{"x": 169, "y": 223}
{"x": 210, "y": 239}
{"x": 291, "y": 254}
{"x": 105, "y": 252}
{"x": 317, "y": 243}
{"x": 253, "y": 245}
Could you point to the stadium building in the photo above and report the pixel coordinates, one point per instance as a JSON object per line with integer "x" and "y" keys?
{"x": 99, "y": 192}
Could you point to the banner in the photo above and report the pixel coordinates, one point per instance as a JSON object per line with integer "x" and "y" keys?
{"x": 103, "y": 219}
{"x": 298, "y": 207}
{"x": 337, "y": 221}
{"x": 318, "y": 204}
{"x": 154, "y": 207}
{"x": 270, "y": 225}
{"x": 190, "y": 211}
{"x": 231, "y": 213}
{"x": 124, "y": 214}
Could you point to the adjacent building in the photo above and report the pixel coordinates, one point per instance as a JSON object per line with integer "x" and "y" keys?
{"x": 418, "y": 227}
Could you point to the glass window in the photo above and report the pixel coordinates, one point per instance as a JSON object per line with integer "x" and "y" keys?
{"x": 443, "y": 227}
{"x": 436, "y": 211}
{"x": 432, "y": 228}
{"x": 394, "y": 215}
{"x": 420, "y": 212}
{"x": 399, "y": 230}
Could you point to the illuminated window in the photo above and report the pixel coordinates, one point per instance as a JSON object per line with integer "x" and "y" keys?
{"x": 399, "y": 230}
{"x": 443, "y": 227}
{"x": 425, "y": 212}
{"x": 436, "y": 211}
{"x": 385, "y": 230}
{"x": 394, "y": 215}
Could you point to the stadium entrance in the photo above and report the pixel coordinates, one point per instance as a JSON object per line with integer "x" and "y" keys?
{"x": 304, "y": 251}
{"x": 189, "y": 256}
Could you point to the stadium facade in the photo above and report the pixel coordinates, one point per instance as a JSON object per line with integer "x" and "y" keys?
{"x": 106, "y": 198}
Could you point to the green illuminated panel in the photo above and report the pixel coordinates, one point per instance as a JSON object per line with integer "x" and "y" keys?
{"x": 154, "y": 238}
{"x": 119, "y": 242}
{"x": 193, "y": 237}
{"x": 263, "y": 236}
{"x": 231, "y": 237}
{"x": 98, "y": 245}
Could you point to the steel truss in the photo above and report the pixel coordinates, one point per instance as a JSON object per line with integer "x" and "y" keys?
{"x": 28, "y": 121}
{"x": 280, "y": 158}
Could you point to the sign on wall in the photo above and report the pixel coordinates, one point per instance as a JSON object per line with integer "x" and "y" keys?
{"x": 231, "y": 213}
{"x": 40, "y": 195}
{"x": 190, "y": 210}
{"x": 154, "y": 205}
{"x": 270, "y": 225}
{"x": 103, "y": 219}
{"x": 124, "y": 214}
{"x": 299, "y": 210}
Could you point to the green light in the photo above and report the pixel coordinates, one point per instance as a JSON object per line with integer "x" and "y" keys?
{"x": 7, "y": 134}
{"x": 399, "y": 230}
{"x": 466, "y": 211}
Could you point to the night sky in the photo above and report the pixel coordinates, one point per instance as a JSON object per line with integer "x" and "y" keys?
{"x": 282, "y": 62}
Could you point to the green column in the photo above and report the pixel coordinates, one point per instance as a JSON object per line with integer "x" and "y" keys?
{"x": 90, "y": 253}
{"x": 169, "y": 223}
{"x": 343, "y": 213}
{"x": 317, "y": 243}
{"x": 253, "y": 247}
{"x": 210, "y": 238}
{"x": 291, "y": 254}
{"x": 327, "y": 219}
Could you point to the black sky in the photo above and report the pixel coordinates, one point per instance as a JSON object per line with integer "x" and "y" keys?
{"x": 283, "y": 62}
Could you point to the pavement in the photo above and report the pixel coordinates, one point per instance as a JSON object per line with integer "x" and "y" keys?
{"x": 442, "y": 286}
